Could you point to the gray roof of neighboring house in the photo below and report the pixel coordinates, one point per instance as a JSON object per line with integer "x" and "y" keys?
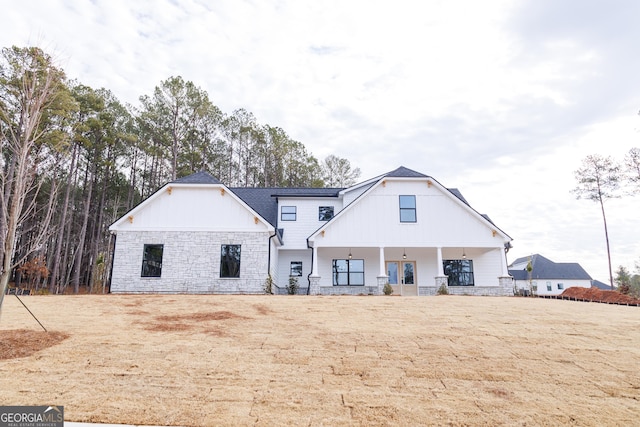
{"x": 601, "y": 285}
{"x": 544, "y": 268}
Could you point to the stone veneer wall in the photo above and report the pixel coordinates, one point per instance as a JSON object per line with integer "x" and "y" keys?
{"x": 493, "y": 291}
{"x": 190, "y": 262}
{"x": 349, "y": 290}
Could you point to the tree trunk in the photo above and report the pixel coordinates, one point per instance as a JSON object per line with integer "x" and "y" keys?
{"x": 77, "y": 264}
{"x": 63, "y": 220}
{"x": 606, "y": 235}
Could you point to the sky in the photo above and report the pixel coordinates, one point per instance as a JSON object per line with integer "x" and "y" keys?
{"x": 500, "y": 99}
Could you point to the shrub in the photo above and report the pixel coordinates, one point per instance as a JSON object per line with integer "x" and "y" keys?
{"x": 443, "y": 290}
{"x": 387, "y": 289}
{"x": 268, "y": 285}
{"x": 293, "y": 286}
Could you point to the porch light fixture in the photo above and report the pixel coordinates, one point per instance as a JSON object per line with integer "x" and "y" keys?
{"x": 464, "y": 256}
{"x": 350, "y": 256}
{"x": 404, "y": 254}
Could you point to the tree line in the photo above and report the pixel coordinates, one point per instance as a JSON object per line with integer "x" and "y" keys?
{"x": 600, "y": 178}
{"x": 75, "y": 158}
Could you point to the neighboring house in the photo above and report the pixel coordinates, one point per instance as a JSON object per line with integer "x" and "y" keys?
{"x": 547, "y": 277}
{"x": 601, "y": 285}
{"x": 196, "y": 235}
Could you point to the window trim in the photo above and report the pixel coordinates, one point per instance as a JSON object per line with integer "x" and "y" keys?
{"x": 229, "y": 273}
{"x": 407, "y": 210}
{"x": 348, "y": 273}
{"x": 291, "y": 269}
{"x": 146, "y": 261}
{"x": 283, "y": 213}
{"x": 320, "y": 216}
{"x": 469, "y": 274}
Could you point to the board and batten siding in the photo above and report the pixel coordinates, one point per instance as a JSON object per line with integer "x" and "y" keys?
{"x": 442, "y": 221}
{"x": 296, "y": 232}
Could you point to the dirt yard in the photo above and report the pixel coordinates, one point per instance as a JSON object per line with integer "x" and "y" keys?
{"x": 324, "y": 361}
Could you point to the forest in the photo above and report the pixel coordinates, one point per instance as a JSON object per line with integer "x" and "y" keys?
{"x": 75, "y": 159}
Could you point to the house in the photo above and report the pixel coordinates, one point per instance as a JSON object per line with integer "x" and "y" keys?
{"x": 196, "y": 235}
{"x": 547, "y": 277}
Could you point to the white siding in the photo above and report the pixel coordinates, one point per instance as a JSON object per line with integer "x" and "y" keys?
{"x": 307, "y": 219}
{"x": 285, "y": 257}
{"x": 441, "y": 221}
{"x": 542, "y": 285}
{"x": 193, "y": 208}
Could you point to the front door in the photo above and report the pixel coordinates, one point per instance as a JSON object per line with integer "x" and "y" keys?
{"x": 402, "y": 277}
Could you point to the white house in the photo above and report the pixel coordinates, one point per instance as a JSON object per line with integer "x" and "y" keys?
{"x": 195, "y": 235}
{"x": 547, "y": 277}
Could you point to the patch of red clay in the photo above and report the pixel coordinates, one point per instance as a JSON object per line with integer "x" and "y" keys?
{"x": 599, "y": 295}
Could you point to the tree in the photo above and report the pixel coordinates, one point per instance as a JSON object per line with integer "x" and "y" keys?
{"x": 632, "y": 168}
{"x": 598, "y": 180}
{"x": 33, "y": 96}
{"x": 337, "y": 172}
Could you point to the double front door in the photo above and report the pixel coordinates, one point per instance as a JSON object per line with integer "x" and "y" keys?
{"x": 402, "y": 277}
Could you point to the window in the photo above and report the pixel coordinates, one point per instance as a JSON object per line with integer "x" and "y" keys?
{"x": 288, "y": 213}
{"x": 296, "y": 268}
{"x": 230, "y": 261}
{"x": 459, "y": 271}
{"x": 325, "y": 213}
{"x": 560, "y": 286}
{"x": 408, "y": 209}
{"x": 549, "y": 286}
{"x": 348, "y": 272}
{"x": 152, "y": 261}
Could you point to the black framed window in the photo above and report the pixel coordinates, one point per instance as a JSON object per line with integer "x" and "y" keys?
{"x": 348, "y": 272}
{"x": 230, "y": 261}
{"x": 408, "y": 209}
{"x": 152, "y": 261}
{"x": 459, "y": 271}
{"x": 288, "y": 213}
{"x": 325, "y": 213}
{"x": 296, "y": 268}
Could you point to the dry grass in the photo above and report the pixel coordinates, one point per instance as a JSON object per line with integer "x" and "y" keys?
{"x": 260, "y": 360}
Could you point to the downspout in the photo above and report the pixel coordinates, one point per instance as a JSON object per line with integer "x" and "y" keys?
{"x": 311, "y": 271}
{"x": 113, "y": 257}
{"x": 275, "y": 233}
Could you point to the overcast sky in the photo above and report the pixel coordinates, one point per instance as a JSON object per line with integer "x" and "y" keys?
{"x": 501, "y": 99}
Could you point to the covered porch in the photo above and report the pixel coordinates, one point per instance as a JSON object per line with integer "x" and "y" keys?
{"x": 411, "y": 271}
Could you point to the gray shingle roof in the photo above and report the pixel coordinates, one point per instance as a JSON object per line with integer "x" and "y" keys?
{"x": 403, "y": 172}
{"x": 201, "y": 177}
{"x": 544, "y": 268}
{"x": 265, "y": 200}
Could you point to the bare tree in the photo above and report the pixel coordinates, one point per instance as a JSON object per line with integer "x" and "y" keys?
{"x": 31, "y": 88}
{"x": 598, "y": 180}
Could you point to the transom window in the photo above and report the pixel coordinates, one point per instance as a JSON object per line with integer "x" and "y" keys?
{"x": 296, "y": 268}
{"x": 408, "y": 209}
{"x": 325, "y": 213}
{"x": 230, "y": 261}
{"x": 348, "y": 272}
{"x": 288, "y": 213}
{"x": 152, "y": 261}
{"x": 459, "y": 272}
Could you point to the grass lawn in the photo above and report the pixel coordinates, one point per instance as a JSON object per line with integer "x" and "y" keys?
{"x": 298, "y": 360}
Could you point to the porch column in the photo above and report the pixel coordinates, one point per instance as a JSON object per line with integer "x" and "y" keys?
{"x": 505, "y": 281}
{"x": 382, "y": 275}
{"x": 441, "y": 279}
{"x": 314, "y": 264}
{"x": 314, "y": 277}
